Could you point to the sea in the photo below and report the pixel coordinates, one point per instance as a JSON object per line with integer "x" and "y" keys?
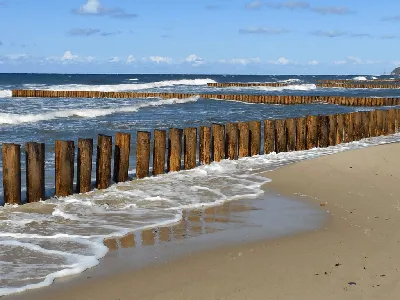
{"x": 64, "y": 236}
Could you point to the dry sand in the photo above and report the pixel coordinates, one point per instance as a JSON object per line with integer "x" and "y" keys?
{"x": 356, "y": 256}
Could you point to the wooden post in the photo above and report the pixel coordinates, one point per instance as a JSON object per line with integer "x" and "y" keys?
{"x": 205, "y": 145}
{"x": 281, "y": 138}
{"x": 291, "y": 134}
{"x": 122, "y": 152}
{"x": 348, "y": 128}
{"x": 218, "y": 142}
{"x": 332, "y": 130}
{"x": 84, "y": 165}
{"x": 159, "y": 152}
{"x": 64, "y": 163}
{"x": 357, "y": 126}
{"x": 143, "y": 140}
{"x": 232, "y": 134}
{"x": 391, "y": 121}
{"x": 255, "y": 137}
{"x": 244, "y": 139}
{"x": 190, "y": 146}
{"x": 323, "y": 131}
{"x": 379, "y": 123}
{"x": 269, "y": 136}
{"x": 365, "y": 124}
{"x": 174, "y": 149}
{"x": 372, "y": 123}
{"x": 301, "y": 134}
{"x": 103, "y": 161}
{"x": 385, "y": 124}
{"x": 34, "y": 172}
{"x": 312, "y": 132}
{"x": 12, "y": 173}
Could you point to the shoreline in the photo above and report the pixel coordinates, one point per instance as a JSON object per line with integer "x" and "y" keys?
{"x": 341, "y": 260}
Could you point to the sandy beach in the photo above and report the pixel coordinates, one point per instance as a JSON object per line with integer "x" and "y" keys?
{"x": 354, "y": 255}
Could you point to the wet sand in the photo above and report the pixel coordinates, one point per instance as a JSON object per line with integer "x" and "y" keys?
{"x": 354, "y": 256}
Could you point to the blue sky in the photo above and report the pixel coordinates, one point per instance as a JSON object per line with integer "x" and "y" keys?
{"x": 209, "y": 36}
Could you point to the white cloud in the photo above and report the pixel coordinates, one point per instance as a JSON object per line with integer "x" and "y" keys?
{"x": 91, "y": 7}
{"x": 114, "y": 59}
{"x": 396, "y": 63}
{"x": 195, "y": 60}
{"x": 15, "y": 57}
{"x": 130, "y": 59}
{"x": 94, "y": 7}
{"x": 68, "y": 56}
{"x": 313, "y": 62}
{"x": 354, "y": 60}
{"x": 160, "y": 59}
{"x": 254, "y": 5}
{"x": 241, "y": 61}
{"x": 280, "y": 61}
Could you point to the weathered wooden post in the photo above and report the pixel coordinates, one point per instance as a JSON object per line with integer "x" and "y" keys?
{"x": 12, "y": 173}
{"x": 122, "y": 152}
{"x": 332, "y": 130}
{"x": 143, "y": 141}
{"x": 255, "y": 137}
{"x": 84, "y": 165}
{"x": 391, "y": 121}
{"x": 190, "y": 146}
{"x": 385, "y": 123}
{"x": 174, "y": 149}
{"x": 269, "y": 136}
{"x": 280, "y": 136}
{"x": 301, "y": 134}
{"x": 103, "y": 161}
{"x": 64, "y": 163}
{"x": 357, "y": 126}
{"x": 291, "y": 134}
{"x": 312, "y": 132}
{"x": 218, "y": 142}
{"x": 348, "y": 128}
{"x": 205, "y": 145}
{"x": 232, "y": 134}
{"x": 365, "y": 124}
{"x": 159, "y": 152}
{"x": 372, "y": 123}
{"x": 323, "y": 131}
{"x": 34, "y": 172}
{"x": 379, "y": 123}
{"x": 244, "y": 139}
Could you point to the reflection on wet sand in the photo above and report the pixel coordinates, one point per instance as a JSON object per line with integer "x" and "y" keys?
{"x": 194, "y": 222}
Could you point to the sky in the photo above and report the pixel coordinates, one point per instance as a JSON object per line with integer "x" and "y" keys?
{"x": 200, "y": 37}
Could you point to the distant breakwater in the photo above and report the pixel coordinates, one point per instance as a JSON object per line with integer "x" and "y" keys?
{"x": 265, "y": 99}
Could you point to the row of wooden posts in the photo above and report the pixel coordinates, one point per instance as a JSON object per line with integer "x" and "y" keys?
{"x": 247, "y": 84}
{"x": 363, "y": 85}
{"x": 267, "y": 99}
{"x": 214, "y": 143}
{"x": 357, "y": 81}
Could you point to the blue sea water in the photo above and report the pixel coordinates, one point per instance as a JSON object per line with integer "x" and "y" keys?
{"x": 66, "y": 234}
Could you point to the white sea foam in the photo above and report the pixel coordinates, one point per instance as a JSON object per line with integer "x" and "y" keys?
{"x": 8, "y": 118}
{"x": 71, "y": 240}
{"x": 360, "y": 78}
{"x": 122, "y": 87}
{"x": 295, "y": 87}
{"x": 5, "y": 93}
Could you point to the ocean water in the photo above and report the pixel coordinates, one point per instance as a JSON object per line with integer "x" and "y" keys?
{"x": 57, "y": 237}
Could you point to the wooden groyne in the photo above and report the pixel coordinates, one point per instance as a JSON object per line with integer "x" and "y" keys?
{"x": 266, "y": 99}
{"x": 176, "y": 149}
{"x": 359, "y": 85}
{"x": 247, "y": 84}
{"x": 356, "y": 81}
